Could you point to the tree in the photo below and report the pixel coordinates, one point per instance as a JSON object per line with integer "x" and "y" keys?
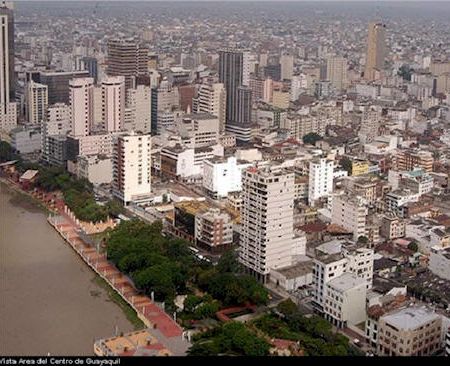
{"x": 228, "y": 262}
{"x": 311, "y": 138}
{"x": 363, "y": 239}
{"x": 405, "y": 71}
{"x": 287, "y": 307}
{"x": 346, "y": 164}
{"x": 413, "y": 246}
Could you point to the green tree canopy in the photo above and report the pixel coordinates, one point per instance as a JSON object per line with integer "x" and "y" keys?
{"x": 311, "y": 138}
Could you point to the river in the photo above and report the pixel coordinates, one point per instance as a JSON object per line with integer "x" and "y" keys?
{"x": 49, "y": 300}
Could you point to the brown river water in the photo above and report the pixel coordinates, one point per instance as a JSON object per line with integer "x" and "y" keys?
{"x": 49, "y": 301}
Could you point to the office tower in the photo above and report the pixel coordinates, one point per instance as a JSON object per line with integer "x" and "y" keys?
{"x": 287, "y": 66}
{"x": 37, "y": 102}
{"x": 320, "y": 179}
{"x": 248, "y": 67}
{"x": 81, "y": 106}
{"x": 231, "y": 65}
{"x": 113, "y": 103}
{"x": 337, "y": 72}
{"x": 132, "y": 167}
{"x": 8, "y": 109}
{"x": 370, "y": 123}
{"x": 7, "y": 9}
{"x": 139, "y": 107}
{"x": 127, "y": 58}
{"x": 58, "y": 83}
{"x": 165, "y": 98}
{"x": 375, "y": 50}
{"x": 89, "y": 64}
{"x": 212, "y": 99}
{"x": 267, "y": 219}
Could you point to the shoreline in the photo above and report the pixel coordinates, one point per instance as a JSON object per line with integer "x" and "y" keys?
{"x": 127, "y": 310}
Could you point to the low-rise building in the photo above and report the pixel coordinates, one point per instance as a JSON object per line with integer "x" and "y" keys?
{"x": 439, "y": 262}
{"x": 345, "y": 301}
{"x": 392, "y": 227}
{"x": 412, "y": 331}
{"x": 213, "y": 230}
{"x": 97, "y": 169}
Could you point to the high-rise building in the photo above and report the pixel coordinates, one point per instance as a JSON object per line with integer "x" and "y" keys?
{"x": 132, "y": 168}
{"x": 212, "y": 99}
{"x": 56, "y": 123}
{"x": 267, "y": 237}
{"x": 81, "y": 106}
{"x": 165, "y": 98}
{"x": 8, "y": 109}
{"x": 127, "y": 58}
{"x": 349, "y": 212}
{"x": 337, "y": 72}
{"x": 37, "y": 102}
{"x": 139, "y": 107}
{"x": 58, "y": 83}
{"x": 90, "y": 64}
{"x": 231, "y": 68}
{"x": 376, "y": 49}
{"x": 287, "y": 66}
{"x": 320, "y": 179}
{"x": 113, "y": 103}
{"x": 7, "y": 9}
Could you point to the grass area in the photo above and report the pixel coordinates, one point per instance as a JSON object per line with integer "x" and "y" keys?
{"x": 116, "y": 298}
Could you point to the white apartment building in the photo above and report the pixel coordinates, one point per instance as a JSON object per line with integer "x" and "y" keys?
{"x": 212, "y": 99}
{"x": 222, "y": 176}
{"x": 320, "y": 179}
{"x": 81, "y": 106}
{"x": 345, "y": 301}
{"x": 37, "y": 102}
{"x": 267, "y": 238}
{"x": 99, "y": 143}
{"x": 139, "y": 106}
{"x": 57, "y": 122}
{"x": 440, "y": 262}
{"x": 132, "y": 168}
{"x": 181, "y": 162}
{"x": 168, "y": 120}
{"x": 349, "y": 212}
{"x": 333, "y": 261}
{"x": 113, "y": 103}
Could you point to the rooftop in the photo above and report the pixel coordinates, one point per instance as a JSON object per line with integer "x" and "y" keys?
{"x": 411, "y": 318}
{"x": 346, "y": 282}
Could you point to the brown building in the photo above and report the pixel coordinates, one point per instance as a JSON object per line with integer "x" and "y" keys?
{"x": 409, "y": 159}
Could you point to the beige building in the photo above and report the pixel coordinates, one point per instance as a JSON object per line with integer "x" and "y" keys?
{"x": 350, "y": 213}
{"x": 213, "y": 230}
{"x": 392, "y": 227}
{"x": 410, "y": 159}
{"x": 376, "y": 49}
{"x": 412, "y": 331}
{"x": 337, "y": 72}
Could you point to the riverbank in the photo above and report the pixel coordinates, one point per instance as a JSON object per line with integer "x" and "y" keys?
{"x": 51, "y": 302}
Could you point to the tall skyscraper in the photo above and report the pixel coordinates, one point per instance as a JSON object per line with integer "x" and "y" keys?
{"x": 113, "y": 103}
{"x": 244, "y": 106}
{"x": 127, "y": 58}
{"x": 376, "y": 49}
{"x": 37, "y": 102}
{"x": 8, "y": 109}
{"x": 337, "y": 72}
{"x": 7, "y": 9}
{"x": 81, "y": 106}
{"x": 231, "y": 69}
{"x": 267, "y": 217}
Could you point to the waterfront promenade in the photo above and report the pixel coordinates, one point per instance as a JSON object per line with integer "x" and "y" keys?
{"x": 151, "y": 314}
